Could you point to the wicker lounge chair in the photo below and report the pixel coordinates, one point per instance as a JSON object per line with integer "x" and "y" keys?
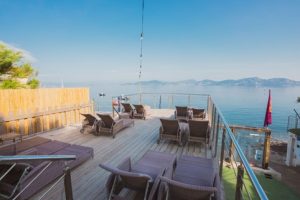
{"x": 140, "y": 112}
{"x": 182, "y": 113}
{"x": 199, "y": 132}
{"x": 141, "y": 176}
{"x": 170, "y": 130}
{"x": 90, "y": 123}
{"x": 194, "y": 178}
{"x": 111, "y": 126}
{"x": 127, "y": 108}
{"x": 198, "y": 113}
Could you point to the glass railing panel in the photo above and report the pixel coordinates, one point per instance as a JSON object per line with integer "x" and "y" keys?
{"x": 237, "y": 175}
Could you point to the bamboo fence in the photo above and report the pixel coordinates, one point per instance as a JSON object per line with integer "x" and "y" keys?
{"x": 27, "y": 111}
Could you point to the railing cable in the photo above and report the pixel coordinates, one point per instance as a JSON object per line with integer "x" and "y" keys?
{"x": 8, "y": 171}
{"x": 244, "y": 185}
{"x": 297, "y": 113}
{"x": 52, "y": 186}
{"x": 32, "y": 180}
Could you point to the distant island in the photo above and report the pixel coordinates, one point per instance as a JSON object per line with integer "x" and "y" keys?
{"x": 245, "y": 82}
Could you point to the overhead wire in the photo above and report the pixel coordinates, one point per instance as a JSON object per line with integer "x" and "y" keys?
{"x": 141, "y": 48}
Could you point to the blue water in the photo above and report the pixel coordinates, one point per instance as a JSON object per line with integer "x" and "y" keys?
{"x": 240, "y": 105}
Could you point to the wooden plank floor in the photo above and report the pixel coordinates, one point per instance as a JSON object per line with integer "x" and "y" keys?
{"x": 88, "y": 180}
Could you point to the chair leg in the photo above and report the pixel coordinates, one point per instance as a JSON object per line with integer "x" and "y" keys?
{"x": 112, "y": 188}
{"x": 180, "y": 143}
{"x": 205, "y": 146}
{"x": 146, "y": 191}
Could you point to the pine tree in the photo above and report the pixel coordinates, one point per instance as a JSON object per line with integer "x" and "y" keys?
{"x": 15, "y": 71}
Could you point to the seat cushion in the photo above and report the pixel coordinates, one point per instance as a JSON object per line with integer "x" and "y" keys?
{"x": 81, "y": 154}
{"x": 51, "y": 147}
{"x": 195, "y": 171}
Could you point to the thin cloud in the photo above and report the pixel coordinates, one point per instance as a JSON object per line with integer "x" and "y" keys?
{"x": 26, "y": 54}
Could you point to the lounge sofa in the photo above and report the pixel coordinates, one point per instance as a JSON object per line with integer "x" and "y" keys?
{"x": 24, "y": 173}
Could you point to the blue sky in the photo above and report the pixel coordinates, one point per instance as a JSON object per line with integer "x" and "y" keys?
{"x": 195, "y": 39}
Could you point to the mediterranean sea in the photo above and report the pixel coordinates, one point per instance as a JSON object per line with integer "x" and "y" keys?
{"x": 239, "y": 105}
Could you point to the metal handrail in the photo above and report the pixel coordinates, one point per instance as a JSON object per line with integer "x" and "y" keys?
{"x": 261, "y": 193}
{"x": 163, "y": 93}
{"x": 297, "y": 114}
{"x": 18, "y": 158}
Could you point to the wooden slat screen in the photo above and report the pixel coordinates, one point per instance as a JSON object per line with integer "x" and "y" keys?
{"x": 27, "y": 111}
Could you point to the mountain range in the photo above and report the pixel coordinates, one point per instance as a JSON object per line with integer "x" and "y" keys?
{"x": 245, "y": 82}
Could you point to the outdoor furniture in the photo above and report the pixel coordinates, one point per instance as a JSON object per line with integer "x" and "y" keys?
{"x": 193, "y": 178}
{"x": 184, "y": 129}
{"x": 9, "y": 184}
{"x": 198, "y": 131}
{"x": 111, "y": 126}
{"x": 26, "y": 172}
{"x": 170, "y": 130}
{"x": 182, "y": 113}
{"x": 127, "y": 108}
{"x": 90, "y": 123}
{"x": 141, "y": 176}
{"x": 140, "y": 111}
{"x": 198, "y": 113}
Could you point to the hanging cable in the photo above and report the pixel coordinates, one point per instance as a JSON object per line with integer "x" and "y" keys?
{"x": 141, "y": 49}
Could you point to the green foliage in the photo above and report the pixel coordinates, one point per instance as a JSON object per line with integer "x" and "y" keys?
{"x": 273, "y": 188}
{"x": 23, "y": 71}
{"x": 11, "y": 84}
{"x": 7, "y": 58}
{"x": 33, "y": 84}
{"x": 14, "y": 68}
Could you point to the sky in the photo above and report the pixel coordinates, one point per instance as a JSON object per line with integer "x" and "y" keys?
{"x": 82, "y": 41}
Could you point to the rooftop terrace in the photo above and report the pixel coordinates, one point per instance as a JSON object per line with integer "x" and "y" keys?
{"x": 88, "y": 180}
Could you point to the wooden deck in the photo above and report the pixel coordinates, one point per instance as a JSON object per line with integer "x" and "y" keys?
{"x": 88, "y": 180}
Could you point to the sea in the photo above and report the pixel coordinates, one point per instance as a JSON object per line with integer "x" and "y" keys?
{"x": 239, "y": 105}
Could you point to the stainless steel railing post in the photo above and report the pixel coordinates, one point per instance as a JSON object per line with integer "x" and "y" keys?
{"x": 222, "y": 152}
{"x": 68, "y": 184}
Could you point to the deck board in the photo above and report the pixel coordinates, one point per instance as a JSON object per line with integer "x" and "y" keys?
{"x": 88, "y": 179}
